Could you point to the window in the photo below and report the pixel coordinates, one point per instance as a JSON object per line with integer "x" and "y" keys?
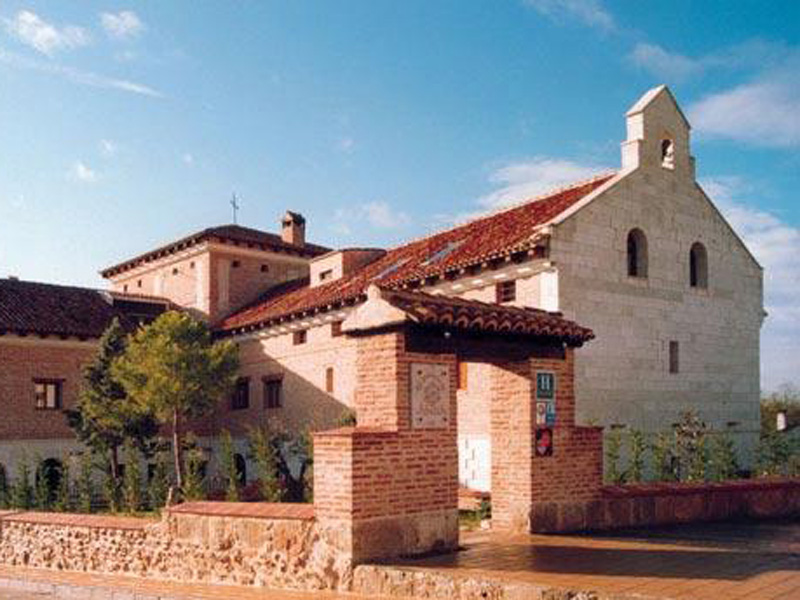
{"x": 506, "y": 291}
{"x": 637, "y": 253}
{"x": 300, "y": 337}
{"x": 462, "y": 375}
{"x": 264, "y": 268}
{"x": 273, "y": 386}
{"x": 191, "y": 265}
{"x": 175, "y": 271}
{"x": 241, "y": 394}
{"x": 47, "y": 393}
{"x": 674, "y": 362}
{"x": 236, "y": 264}
{"x": 329, "y": 380}
{"x": 336, "y": 329}
{"x": 667, "y": 154}
{"x": 698, "y": 266}
{"x": 139, "y": 283}
{"x": 125, "y": 288}
{"x": 326, "y": 275}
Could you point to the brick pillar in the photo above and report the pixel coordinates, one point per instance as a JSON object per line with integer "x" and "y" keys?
{"x": 389, "y": 487}
{"x": 511, "y": 426}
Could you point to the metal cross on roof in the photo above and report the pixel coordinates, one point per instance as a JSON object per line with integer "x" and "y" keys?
{"x": 235, "y": 206}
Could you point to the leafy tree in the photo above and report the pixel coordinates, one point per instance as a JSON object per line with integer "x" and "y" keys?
{"x": 229, "y": 466}
{"x": 22, "y": 493}
{"x": 104, "y": 417}
{"x": 264, "y": 453}
{"x": 665, "y": 464}
{"x": 132, "y": 480}
{"x": 194, "y": 484}
{"x": 173, "y": 369}
{"x": 722, "y": 464}
{"x": 638, "y": 449}
{"x": 112, "y": 488}
{"x": 774, "y": 454}
{"x": 786, "y": 400}
{"x": 85, "y": 484}
{"x": 613, "y": 452}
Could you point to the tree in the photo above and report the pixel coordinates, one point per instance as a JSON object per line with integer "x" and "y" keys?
{"x": 173, "y": 369}
{"x": 22, "y": 493}
{"x": 228, "y": 461}
{"x": 132, "y": 480}
{"x": 638, "y": 449}
{"x": 193, "y": 487}
{"x": 158, "y": 487}
{"x": 690, "y": 442}
{"x": 613, "y": 450}
{"x": 104, "y": 416}
{"x": 264, "y": 453}
{"x": 723, "y": 464}
{"x": 85, "y": 486}
{"x": 62, "y": 502}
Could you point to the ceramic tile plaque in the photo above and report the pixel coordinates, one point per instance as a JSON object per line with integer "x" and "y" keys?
{"x": 545, "y": 385}
{"x": 430, "y": 396}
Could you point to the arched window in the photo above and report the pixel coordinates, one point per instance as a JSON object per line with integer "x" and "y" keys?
{"x": 51, "y": 470}
{"x": 698, "y": 266}
{"x": 667, "y": 154}
{"x": 241, "y": 468}
{"x": 637, "y": 253}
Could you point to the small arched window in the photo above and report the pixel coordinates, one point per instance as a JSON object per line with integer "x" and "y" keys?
{"x": 667, "y": 154}
{"x": 241, "y": 468}
{"x": 698, "y": 266}
{"x": 637, "y": 253}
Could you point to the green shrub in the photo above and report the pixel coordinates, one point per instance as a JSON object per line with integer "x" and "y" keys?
{"x": 132, "y": 480}
{"x": 638, "y": 451}
{"x": 690, "y": 443}
{"x": 85, "y": 483}
{"x": 722, "y": 464}
{"x": 22, "y": 492}
{"x": 228, "y": 463}
{"x": 158, "y": 488}
{"x": 665, "y": 464}
{"x": 263, "y": 452}
{"x": 193, "y": 483}
{"x": 62, "y": 502}
{"x": 613, "y": 450}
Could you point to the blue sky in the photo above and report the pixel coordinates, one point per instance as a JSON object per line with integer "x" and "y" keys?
{"x": 124, "y": 125}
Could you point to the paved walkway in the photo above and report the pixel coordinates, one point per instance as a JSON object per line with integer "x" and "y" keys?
{"x": 758, "y": 561}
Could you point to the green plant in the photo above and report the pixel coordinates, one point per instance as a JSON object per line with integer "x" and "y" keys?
{"x": 664, "y": 459}
{"x": 613, "y": 452}
{"x": 41, "y": 490}
{"x": 690, "y": 443}
{"x": 174, "y": 370}
{"x": 263, "y": 452}
{"x": 347, "y": 418}
{"x": 62, "y": 502}
{"x": 193, "y": 484}
{"x": 22, "y": 492}
{"x": 485, "y": 509}
{"x": 132, "y": 481}
{"x": 5, "y": 495}
{"x": 112, "y": 488}
{"x": 227, "y": 459}
{"x": 159, "y": 483}
{"x": 638, "y": 450}
{"x": 722, "y": 464}
{"x": 85, "y": 484}
{"x": 774, "y": 454}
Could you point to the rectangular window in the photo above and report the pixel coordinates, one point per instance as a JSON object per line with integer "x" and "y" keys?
{"x": 462, "y": 375}
{"x": 47, "y": 393}
{"x": 674, "y": 357}
{"x": 326, "y": 275}
{"x": 299, "y": 337}
{"x": 329, "y": 380}
{"x": 336, "y": 329}
{"x": 241, "y": 394}
{"x": 506, "y": 291}
{"x": 273, "y": 386}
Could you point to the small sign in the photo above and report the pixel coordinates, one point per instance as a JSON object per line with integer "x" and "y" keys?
{"x": 545, "y": 385}
{"x": 550, "y": 414}
{"x": 544, "y": 442}
{"x": 541, "y": 413}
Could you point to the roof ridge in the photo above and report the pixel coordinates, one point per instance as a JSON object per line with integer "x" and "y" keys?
{"x": 518, "y": 204}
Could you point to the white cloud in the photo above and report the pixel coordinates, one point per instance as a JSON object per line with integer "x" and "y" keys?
{"x": 589, "y": 12}
{"x": 123, "y": 25}
{"x": 76, "y": 75}
{"x": 663, "y": 64}
{"x": 108, "y": 148}
{"x": 32, "y": 30}
{"x": 81, "y": 172}
{"x": 187, "y": 159}
{"x": 776, "y": 245}
{"x": 517, "y": 181}
{"x": 764, "y": 112}
{"x": 381, "y": 214}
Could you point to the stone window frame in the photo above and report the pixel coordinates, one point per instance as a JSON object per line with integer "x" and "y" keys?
{"x": 41, "y": 398}
{"x": 637, "y": 254}
{"x": 698, "y": 266}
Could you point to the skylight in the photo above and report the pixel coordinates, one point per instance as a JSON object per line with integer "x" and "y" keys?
{"x": 442, "y": 253}
{"x": 391, "y": 269}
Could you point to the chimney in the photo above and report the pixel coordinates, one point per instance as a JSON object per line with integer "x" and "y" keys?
{"x": 293, "y": 228}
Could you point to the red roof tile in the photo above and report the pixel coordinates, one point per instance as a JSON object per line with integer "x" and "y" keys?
{"x": 483, "y": 239}
{"x": 28, "y": 307}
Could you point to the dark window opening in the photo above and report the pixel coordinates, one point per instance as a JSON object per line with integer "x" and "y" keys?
{"x": 637, "y": 253}
{"x": 139, "y": 283}
{"x": 241, "y": 468}
{"x": 674, "y": 362}
{"x": 326, "y": 275}
{"x": 667, "y": 154}
{"x": 336, "y": 329}
{"x": 236, "y": 264}
{"x": 241, "y": 394}
{"x": 506, "y": 291}
{"x": 273, "y": 387}
{"x": 264, "y": 268}
{"x": 299, "y": 337}
{"x": 47, "y": 393}
{"x": 698, "y": 266}
{"x": 329, "y": 380}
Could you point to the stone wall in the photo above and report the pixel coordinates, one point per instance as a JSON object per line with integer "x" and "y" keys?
{"x": 225, "y": 543}
{"x": 669, "y": 503}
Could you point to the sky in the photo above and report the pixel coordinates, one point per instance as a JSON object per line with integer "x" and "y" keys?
{"x": 127, "y": 125}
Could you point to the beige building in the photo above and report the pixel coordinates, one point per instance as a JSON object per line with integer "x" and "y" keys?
{"x": 641, "y": 256}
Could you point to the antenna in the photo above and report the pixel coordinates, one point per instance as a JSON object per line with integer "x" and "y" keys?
{"x": 235, "y": 206}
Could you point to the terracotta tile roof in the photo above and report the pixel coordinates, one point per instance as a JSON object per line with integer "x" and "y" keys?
{"x": 460, "y": 313}
{"x": 28, "y": 307}
{"x": 232, "y": 234}
{"x": 484, "y": 239}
